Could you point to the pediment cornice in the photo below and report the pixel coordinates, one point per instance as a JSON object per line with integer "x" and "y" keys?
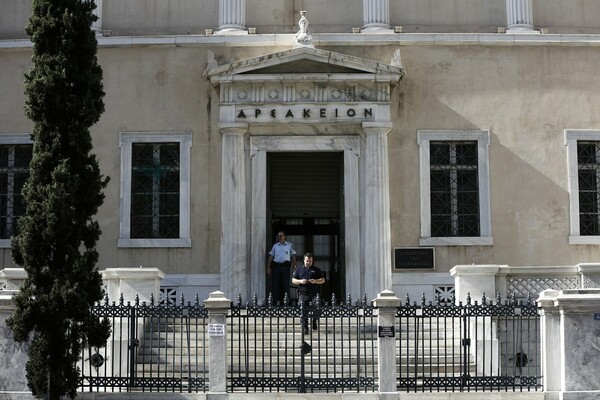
{"x": 304, "y": 64}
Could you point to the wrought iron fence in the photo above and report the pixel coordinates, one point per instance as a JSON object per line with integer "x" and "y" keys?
{"x": 493, "y": 346}
{"x": 270, "y": 352}
{"x": 152, "y": 348}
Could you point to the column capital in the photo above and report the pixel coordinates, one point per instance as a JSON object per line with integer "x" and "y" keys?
{"x": 546, "y": 301}
{"x": 377, "y": 127}
{"x": 387, "y": 299}
{"x": 233, "y": 128}
{"x": 217, "y": 302}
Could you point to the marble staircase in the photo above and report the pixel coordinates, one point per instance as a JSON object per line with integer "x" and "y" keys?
{"x": 170, "y": 348}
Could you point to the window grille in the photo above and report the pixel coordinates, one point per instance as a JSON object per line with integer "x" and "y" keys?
{"x": 454, "y": 189}
{"x": 588, "y": 171}
{"x": 155, "y": 190}
{"x": 14, "y": 171}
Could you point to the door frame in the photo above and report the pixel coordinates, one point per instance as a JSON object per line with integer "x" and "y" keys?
{"x": 259, "y": 147}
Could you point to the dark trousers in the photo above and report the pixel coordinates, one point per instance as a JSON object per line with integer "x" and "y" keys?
{"x": 281, "y": 281}
{"x": 305, "y": 299}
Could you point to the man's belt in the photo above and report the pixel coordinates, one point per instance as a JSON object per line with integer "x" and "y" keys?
{"x": 283, "y": 264}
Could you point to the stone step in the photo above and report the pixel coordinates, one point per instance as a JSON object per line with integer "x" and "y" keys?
{"x": 313, "y": 369}
{"x": 294, "y": 350}
{"x": 291, "y": 325}
{"x": 322, "y": 334}
{"x": 287, "y": 359}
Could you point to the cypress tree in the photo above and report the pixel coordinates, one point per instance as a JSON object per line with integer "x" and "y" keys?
{"x": 57, "y": 236}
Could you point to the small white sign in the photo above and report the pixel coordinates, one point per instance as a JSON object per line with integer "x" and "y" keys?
{"x": 216, "y": 329}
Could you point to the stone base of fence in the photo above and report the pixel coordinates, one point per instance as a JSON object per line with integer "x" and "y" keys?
{"x": 320, "y": 396}
{"x": 570, "y": 321}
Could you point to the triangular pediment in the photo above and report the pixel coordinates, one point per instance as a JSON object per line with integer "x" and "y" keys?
{"x": 302, "y": 62}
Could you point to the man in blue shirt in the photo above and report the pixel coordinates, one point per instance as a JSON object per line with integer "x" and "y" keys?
{"x": 281, "y": 257}
{"x": 308, "y": 278}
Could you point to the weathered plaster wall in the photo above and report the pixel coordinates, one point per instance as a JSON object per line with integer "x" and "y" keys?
{"x": 448, "y": 16}
{"x": 143, "y": 17}
{"x": 13, "y": 18}
{"x": 162, "y": 90}
{"x": 561, "y": 16}
{"x": 167, "y": 17}
{"x": 525, "y": 96}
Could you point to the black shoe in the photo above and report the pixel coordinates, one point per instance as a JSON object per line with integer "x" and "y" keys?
{"x": 315, "y": 326}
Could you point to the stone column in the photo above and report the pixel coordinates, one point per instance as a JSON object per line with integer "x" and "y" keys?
{"x": 232, "y": 17}
{"x": 474, "y": 280}
{"x": 217, "y": 306}
{"x": 519, "y": 14}
{"x": 376, "y": 16}
{"x": 550, "y": 337}
{"x": 352, "y": 225}
{"x": 259, "y": 222}
{"x": 378, "y": 250}
{"x": 573, "y": 373}
{"x": 234, "y": 266}
{"x": 387, "y": 303}
{"x": 132, "y": 282}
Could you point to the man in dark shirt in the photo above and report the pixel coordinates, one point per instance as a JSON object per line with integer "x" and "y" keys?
{"x": 308, "y": 277}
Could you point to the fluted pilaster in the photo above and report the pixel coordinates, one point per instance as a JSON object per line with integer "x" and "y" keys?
{"x": 376, "y": 16}
{"x": 232, "y": 16}
{"x": 519, "y": 14}
{"x": 234, "y": 266}
{"x": 378, "y": 251}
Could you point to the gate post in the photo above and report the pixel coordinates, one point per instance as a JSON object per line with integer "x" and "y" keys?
{"x": 217, "y": 305}
{"x": 570, "y": 351}
{"x": 387, "y": 303}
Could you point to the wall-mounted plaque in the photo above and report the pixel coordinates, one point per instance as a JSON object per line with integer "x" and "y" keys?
{"x": 414, "y": 258}
{"x": 386, "y": 331}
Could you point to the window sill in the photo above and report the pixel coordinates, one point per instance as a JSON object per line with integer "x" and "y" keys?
{"x": 5, "y": 244}
{"x": 154, "y": 243}
{"x": 456, "y": 241}
{"x": 584, "y": 240}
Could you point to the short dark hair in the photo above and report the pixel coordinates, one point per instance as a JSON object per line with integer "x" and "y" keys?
{"x": 309, "y": 255}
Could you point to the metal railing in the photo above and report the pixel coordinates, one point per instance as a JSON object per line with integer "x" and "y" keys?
{"x": 152, "y": 348}
{"x": 269, "y": 350}
{"x": 486, "y": 346}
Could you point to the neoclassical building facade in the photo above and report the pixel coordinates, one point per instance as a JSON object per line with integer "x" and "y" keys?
{"x": 392, "y": 139}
